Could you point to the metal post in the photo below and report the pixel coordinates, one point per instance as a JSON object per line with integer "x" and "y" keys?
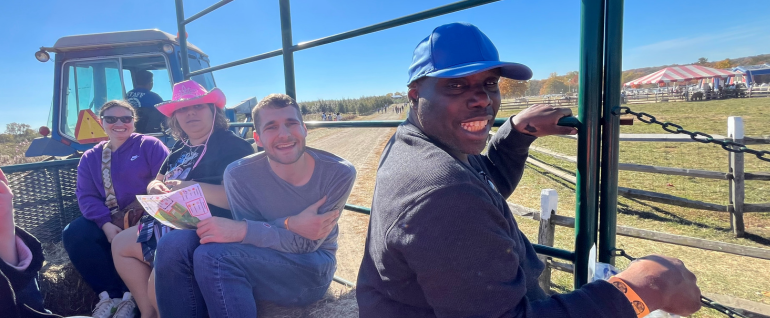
{"x": 288, "y": 54}
{"x": 608, "y": 202}
{"x": 182, "y": 37}
{"x": 589, "y": 102}
{"x": 737, "y": 187}
{"x": 549, "y": 200}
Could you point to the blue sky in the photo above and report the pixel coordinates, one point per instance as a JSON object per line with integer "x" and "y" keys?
{"x": 541, "y": 34}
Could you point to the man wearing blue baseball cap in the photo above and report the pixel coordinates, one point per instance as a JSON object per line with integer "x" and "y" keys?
{"x": 442, "y": 241}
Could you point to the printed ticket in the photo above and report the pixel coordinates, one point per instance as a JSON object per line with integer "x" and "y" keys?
{"x": 180, "y": 209}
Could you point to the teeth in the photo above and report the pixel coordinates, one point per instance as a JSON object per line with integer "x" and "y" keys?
{"x": 281, "y": 146}
{"x": 474, "y": 126}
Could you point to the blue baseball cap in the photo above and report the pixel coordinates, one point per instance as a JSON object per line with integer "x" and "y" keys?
{"x": 457, "y": 50}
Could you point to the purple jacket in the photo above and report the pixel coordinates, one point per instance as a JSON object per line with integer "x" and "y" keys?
{"x": 134, "y": 165}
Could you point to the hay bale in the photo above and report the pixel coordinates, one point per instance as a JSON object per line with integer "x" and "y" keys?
{"x": 341, "y": 304}
{"x": 64, "y": 291}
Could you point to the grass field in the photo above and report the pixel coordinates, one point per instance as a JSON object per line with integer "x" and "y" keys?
{"x": 719, "y": 273}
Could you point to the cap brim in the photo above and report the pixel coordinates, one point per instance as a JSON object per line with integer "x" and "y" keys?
{"x": 509, "y": 70}
{"x": 215, "y": 96}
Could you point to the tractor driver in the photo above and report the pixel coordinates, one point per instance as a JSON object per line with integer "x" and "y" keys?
{"x": 143, "y": 99}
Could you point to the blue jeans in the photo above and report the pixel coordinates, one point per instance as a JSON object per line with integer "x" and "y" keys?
{"x": 227, "y": 279}
{"x": 91, "y": 253}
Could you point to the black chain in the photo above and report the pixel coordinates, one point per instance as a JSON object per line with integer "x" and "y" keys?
{"x": 728, "y": 145}
{"x": 705, "y": 301}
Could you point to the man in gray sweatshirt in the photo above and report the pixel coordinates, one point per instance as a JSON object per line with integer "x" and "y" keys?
{"x": 281, "y": 244}
{"x": 442, "y": 241}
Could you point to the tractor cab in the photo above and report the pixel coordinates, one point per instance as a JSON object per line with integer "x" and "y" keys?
{"x": 92, "y": 69}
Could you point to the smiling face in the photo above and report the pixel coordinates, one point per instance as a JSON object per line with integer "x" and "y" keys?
{"x": 457, "y": 112}
{"x": 195, "y": 120}
{"x": 282, "y": 134}
{"x": 118, "y": 130}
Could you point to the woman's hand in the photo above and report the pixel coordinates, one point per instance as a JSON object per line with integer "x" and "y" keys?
{"x": 157, "y": 187}
{"x": 110, "y": 230}
{"x": 177, "y": 184}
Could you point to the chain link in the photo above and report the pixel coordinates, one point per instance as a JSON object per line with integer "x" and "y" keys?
{"x": 728, "y": 145}
{"x": 705, "y": 301}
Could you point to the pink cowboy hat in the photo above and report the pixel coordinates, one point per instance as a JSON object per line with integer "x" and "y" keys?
{"x": 190, "y": 93}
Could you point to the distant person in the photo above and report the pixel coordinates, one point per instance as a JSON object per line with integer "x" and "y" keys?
{"x": 144, "y": 100}
{"x": 339, "y": 117}
{"x": 323, "y": 116}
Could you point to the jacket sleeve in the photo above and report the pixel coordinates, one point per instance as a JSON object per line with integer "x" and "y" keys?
{"x": 90, "y": 199}
{"x": 19, "y": 278}
{"x": 273, "y": 234}
{"x": 459, "y": 246}
{"x": 505, "y": 158}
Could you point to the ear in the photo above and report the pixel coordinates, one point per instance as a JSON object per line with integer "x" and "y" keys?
{"x": 257, "y": 140}
{"x": 305, "y": 127}
{"x": 414, "y": 96}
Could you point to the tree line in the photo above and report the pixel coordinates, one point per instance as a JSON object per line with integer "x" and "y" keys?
{"x": 15, "y": 133}
{"x": 365, "y": 105}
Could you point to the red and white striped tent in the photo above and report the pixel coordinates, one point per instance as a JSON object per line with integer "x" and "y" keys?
{"x": 681, "y": 74}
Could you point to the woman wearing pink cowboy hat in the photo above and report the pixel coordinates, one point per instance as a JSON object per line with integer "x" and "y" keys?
{"x": 202, "y": 152}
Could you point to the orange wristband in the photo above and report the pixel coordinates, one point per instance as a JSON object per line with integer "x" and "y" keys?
{"x": 640, "y": 307}
{"x": 286, "y": 224}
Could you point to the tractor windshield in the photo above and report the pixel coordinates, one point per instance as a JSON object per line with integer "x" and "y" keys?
{"x": 142, "y": 80}
{"x": 88, "y": 85}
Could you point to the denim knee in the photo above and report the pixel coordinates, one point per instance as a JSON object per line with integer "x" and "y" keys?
{"x": 175, "y": 247}
{"x": 81, "y": 230}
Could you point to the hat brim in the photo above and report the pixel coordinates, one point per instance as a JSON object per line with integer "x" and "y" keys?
{"x": 215, "y": 96}
{"x": 509, "y": 70}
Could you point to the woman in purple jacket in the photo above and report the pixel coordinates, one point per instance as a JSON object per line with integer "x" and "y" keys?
{"x": 136, "y": 160}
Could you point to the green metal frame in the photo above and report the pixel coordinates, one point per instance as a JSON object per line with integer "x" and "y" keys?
{"x": 600, "y": 69}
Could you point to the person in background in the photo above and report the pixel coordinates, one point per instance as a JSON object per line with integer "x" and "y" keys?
{"x": 135, "y": 161}
{"x": 144, "y": 100}
{"x": 203, "y": 150}
{"x": 442, "y": 241}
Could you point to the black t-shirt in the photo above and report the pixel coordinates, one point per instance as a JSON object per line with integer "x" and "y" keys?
{"x": 224, "y": 147}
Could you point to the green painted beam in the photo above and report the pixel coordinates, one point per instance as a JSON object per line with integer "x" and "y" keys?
{"x": 589, "y": 103}
{"x": 608, "y": 201}
{"x": 288, "y": 54}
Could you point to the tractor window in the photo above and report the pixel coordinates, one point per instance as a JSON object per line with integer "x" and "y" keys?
{"x": 206, "y": 80}
{"x": 88, "y": 85}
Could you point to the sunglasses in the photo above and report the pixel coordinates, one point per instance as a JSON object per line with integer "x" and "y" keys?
{"x": 114, "y": 119}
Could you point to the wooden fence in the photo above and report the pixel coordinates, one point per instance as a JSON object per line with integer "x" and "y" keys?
{"x": 524, "y": 102}
{"x": 549, "y": 219}
{"x": 736, "y": 175}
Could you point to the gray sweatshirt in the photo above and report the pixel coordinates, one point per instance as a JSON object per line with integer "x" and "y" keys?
{"x": 256, "y": 194}
{"x": 442, "y": 241}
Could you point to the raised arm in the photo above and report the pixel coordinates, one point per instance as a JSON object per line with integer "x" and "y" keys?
{"x": 509, "y": 147}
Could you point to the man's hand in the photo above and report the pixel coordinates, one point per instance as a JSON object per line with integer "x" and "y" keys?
{"x": 110, "y": 230}
{"x": 663, "y": 283}
{"x": 177, "y": 184}
{"x": 157, "y": 187}
{"x": 541, "y": 120}
{"x": 311, "y": 225}
{"x": 221, "y": 230}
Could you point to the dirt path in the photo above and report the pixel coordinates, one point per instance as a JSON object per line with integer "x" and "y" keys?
{"x": 362, "y": 147}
